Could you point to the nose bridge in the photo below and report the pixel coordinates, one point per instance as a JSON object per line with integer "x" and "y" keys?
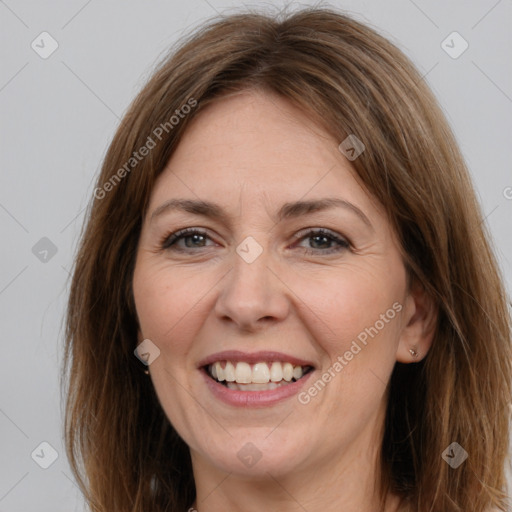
{"x": 251, "y": 266}
{"x": 251, "y": 291}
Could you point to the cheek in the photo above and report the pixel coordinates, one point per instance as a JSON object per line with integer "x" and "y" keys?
{"x": 348, "y": 302}
{"x": 166, "y": 303}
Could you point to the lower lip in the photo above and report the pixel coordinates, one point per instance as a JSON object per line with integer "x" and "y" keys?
{"x": 254, "y": 398}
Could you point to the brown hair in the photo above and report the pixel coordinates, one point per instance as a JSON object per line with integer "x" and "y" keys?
{"x": 124, "y": 452}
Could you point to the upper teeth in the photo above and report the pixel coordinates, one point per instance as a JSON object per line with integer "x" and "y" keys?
{"x": 260, "y": 373}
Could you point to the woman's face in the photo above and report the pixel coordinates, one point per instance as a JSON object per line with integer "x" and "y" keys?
{"x": 289, "y": 267}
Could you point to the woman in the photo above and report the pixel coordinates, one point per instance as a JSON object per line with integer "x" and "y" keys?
{"x": 286, "y": 236}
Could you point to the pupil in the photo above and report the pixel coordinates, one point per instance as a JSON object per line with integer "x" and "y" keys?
{"x": 325, "y": 240}
{"x": 195, "y": 239}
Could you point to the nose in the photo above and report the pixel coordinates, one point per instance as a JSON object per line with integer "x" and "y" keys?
{"x": 252, "y": 295}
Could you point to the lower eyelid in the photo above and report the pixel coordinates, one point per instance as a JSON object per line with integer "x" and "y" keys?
{"x": 340, "y": 247}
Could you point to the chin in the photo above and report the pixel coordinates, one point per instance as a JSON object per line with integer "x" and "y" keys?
{"x": 256, "y": 457}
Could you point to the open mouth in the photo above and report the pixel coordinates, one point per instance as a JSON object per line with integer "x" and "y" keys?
{"x": 242, "y": 376}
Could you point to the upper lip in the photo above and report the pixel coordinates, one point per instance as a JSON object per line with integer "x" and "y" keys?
{"x": 253, "y": 358}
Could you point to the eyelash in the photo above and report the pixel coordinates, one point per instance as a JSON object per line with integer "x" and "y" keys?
{"x": 169, "y": 240}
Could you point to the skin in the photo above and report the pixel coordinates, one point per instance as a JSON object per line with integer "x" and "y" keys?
{"x": 251, "y": 152}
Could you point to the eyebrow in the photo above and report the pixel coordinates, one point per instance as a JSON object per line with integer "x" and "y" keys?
{"x": 287, "y": 210}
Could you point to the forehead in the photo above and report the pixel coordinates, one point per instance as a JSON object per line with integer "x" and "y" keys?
{"x": 259, "y": 148}
{"x": 251, "y": 127}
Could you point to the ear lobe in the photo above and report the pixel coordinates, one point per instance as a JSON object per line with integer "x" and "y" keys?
{"x": 420, "y": 319}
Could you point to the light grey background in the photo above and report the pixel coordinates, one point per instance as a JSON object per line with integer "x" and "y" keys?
{"x": 58, "y": 116}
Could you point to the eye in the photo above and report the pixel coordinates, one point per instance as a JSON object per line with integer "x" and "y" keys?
{"x": 192, "y": 237}
{"x": 323, "y": 241}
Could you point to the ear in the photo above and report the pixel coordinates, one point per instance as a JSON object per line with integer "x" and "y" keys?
{"x": 419, "y": 324}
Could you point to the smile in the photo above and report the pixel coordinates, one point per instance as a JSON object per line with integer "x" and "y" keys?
{"x": 243, "y": 376}
{"x": 254, "y": 379}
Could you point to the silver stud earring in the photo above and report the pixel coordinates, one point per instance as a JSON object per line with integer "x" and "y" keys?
{"x": 413, "y": 352}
